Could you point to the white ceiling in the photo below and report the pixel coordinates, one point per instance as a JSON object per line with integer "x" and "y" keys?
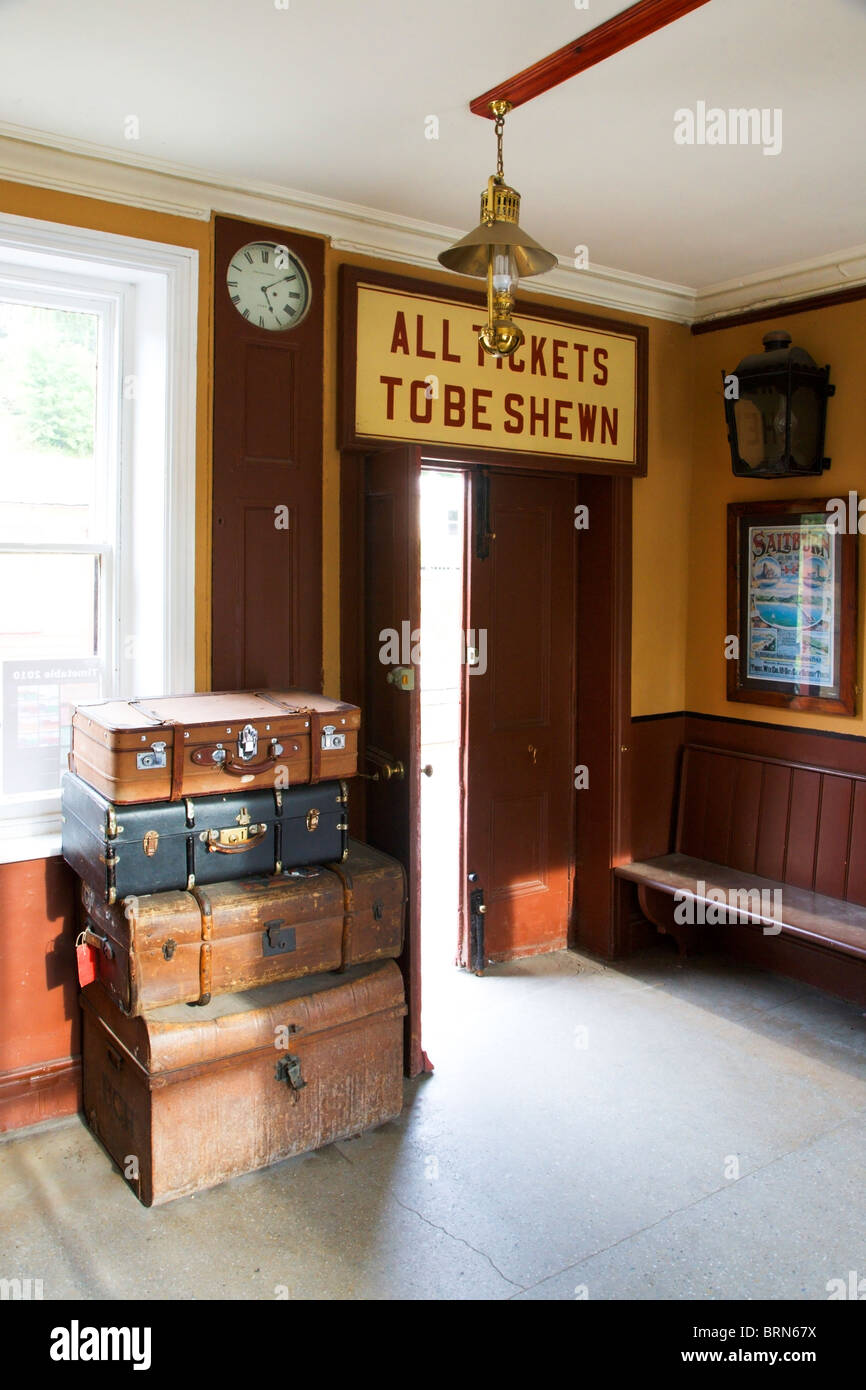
{"x": 330, "y": 97}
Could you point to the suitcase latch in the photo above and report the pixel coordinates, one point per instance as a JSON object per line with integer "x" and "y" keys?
{"x": 155, "y": 757}
{"x": 248, "y": 743}
{"x": 312, "y": 820}
{"x": 288, "y": 1069}
{"x": 277, "y": 939}
{"x": 233, "y": 836}
{"x": 331, "y": 739}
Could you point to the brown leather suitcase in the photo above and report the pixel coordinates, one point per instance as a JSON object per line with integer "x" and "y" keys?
{"x": 184, "y": 947}
{"x": 197, "y": 745}
{"x": 183, "y": 1099}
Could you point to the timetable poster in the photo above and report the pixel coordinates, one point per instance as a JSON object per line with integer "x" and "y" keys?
{"x": 38, "y": 701}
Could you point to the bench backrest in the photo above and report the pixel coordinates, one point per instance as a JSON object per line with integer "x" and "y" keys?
{"x": 786, "y": 821}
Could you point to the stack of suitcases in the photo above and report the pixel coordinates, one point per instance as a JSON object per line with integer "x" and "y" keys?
{"x": 240, "y": 996}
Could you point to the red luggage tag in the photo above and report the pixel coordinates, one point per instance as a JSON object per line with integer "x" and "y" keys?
{"x": 85, "y": 956}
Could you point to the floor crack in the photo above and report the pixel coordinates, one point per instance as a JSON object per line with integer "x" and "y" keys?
{"x": 521, "y": 1288}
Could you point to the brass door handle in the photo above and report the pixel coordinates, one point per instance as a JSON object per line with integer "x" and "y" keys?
{"x": 386, "y": 767}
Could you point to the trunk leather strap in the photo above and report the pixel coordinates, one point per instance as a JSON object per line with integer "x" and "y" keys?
{"x": 177, "y": 749}
{"x": 348, "y": 912}
{"x": 317, "y": 720}
{"x": 177, "y": 752}
{"x": 205, "y": 967}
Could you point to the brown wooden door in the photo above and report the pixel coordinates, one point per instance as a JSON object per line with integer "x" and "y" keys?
{"x": 392, "y": 604}
{"x": 520, "y": 714}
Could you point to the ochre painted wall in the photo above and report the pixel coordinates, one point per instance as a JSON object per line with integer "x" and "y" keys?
{"x": 837, "y": 335}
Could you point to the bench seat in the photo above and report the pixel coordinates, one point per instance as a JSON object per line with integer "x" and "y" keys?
{"x": 812, "y": 917}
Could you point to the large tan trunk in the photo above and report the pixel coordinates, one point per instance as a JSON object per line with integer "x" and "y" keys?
{"x": 195, "y": 745}
{"x": 181, "y": 948}
{"x": 183, "y": 1099}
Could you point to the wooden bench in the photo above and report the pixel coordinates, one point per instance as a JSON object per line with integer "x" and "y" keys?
{"x": 749, "y": 825}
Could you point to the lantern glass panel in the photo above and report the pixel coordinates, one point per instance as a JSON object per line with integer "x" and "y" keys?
{"x": 760, "y": 420}
{"x": 805, "y": 418}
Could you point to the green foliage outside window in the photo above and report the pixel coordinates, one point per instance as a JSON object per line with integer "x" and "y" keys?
{"x": 48, "y": 377}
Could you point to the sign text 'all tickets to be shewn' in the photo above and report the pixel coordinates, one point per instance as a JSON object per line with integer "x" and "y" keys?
{"x": 422, "y": 376}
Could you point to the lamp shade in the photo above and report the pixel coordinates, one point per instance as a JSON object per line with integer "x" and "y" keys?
{"x": 470, "y": 255}
{"x": 776, "y": 410}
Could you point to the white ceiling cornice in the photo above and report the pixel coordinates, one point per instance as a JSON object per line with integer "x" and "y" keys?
{"x": 93, "y": 171}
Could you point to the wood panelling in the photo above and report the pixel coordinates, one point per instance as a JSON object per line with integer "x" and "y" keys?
{"x": 267, "y": 577}
{"x": 655, "y": 759}
{"x": 604, "y": 808}
{"x": 791, "y": 822}
{"x": 39, "y": 1022}
{"x": 816, "y": 748}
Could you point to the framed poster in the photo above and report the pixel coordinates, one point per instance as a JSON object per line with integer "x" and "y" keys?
{"x": 792, "y": 604}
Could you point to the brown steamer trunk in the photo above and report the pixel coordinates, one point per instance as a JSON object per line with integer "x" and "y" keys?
{"x": 196, "y": 745}
{"x": 181, "y": 948}
{"x": 183, "y": 1099}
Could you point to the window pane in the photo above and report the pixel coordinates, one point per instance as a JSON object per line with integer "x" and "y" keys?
{"x": 49, "y": 626}
{"x": 48, "y": 605}
{"x": 47, "y": 423}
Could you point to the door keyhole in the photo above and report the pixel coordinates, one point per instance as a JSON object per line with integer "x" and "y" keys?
{"x": 533, "y": 753}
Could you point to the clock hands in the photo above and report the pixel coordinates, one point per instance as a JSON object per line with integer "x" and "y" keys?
{"x": 274, "y": 283}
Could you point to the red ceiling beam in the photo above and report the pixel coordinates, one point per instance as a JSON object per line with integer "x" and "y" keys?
{"x": 619, "y": 32}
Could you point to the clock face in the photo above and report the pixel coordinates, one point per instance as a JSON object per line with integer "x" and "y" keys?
{"x": 268, "y": 285}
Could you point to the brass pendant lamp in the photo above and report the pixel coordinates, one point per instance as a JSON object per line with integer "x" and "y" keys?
{"x": 499, "y": 252}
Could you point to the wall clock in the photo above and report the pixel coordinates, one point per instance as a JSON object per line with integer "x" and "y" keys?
{"x": 269, "y": 285}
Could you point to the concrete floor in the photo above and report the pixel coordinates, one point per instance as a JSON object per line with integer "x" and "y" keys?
{"x": 576, "y": 1140}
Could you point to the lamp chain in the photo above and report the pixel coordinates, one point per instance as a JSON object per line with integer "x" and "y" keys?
{"x": 499, "y": 127}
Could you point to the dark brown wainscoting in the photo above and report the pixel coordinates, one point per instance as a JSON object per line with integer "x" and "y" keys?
{"x": 44, "y": 1091}
{"x": 842, "y": 752}
{"x": 39, "y": 1015}
{"x": 656, "y": 742}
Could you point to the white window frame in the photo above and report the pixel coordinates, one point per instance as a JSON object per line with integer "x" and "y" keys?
{"x": 147, "y": 297}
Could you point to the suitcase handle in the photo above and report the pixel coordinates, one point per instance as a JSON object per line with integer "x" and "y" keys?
{"x": 212, "y": 755}
{"x": 239, "y": 847}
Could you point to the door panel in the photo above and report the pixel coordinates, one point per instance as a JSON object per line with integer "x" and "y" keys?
{"x": 267, "y": 448}
{"x": 521, "y": 714}
{"x": 392, "y": 598}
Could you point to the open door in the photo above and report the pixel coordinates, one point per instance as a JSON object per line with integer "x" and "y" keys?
{"x": 520, "y": 716}
{"x": 391, "y": 706}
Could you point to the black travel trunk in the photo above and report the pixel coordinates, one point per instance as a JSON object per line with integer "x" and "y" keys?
{"x": 157, "y": 846}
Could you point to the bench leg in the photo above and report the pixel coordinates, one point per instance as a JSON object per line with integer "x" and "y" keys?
{"x": 658, "y": 908}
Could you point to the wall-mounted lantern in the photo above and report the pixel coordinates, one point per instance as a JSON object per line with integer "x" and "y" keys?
{"x": 776, "y": 409}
